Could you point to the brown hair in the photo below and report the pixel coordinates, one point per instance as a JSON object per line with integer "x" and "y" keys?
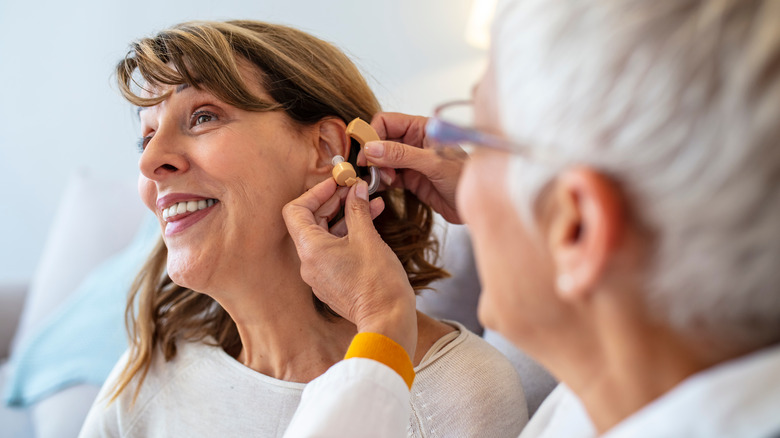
{"x": 307, "y": 78}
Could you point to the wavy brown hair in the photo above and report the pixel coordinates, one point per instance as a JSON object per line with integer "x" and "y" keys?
{"x": 307, "y": 78}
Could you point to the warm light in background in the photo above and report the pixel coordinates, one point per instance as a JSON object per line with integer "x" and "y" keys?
{"x": 478, "y": 26}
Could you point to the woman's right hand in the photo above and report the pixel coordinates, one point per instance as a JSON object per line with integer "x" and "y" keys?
{"x": 408, "y": 160}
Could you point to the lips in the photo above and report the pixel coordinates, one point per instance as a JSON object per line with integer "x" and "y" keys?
{"x": 179, "y": 211}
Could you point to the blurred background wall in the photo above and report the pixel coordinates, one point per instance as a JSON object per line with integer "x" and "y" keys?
{"x": 60, "y": 111}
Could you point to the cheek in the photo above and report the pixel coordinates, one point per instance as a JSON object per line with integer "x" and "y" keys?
{"x": 508, "y": 269}
{"x": 147, "y": 190}
{"x": 465, "y": 192}
{"x": 496, "y": 248}
{"x": 513, "y": 268}
{"x": 482, "y": 208}
{"x": 486, "y": 102}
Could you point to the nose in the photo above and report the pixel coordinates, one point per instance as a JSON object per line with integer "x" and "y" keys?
{"x": 165, "y": 155}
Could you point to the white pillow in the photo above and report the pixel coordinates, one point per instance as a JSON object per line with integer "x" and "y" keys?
{"x": 96, "y": 218}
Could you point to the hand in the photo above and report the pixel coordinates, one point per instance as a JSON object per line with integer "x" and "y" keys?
{"x": 356, "y": 274}
{"x": 407, "y": 160}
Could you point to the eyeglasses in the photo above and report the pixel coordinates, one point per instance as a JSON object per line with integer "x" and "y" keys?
{"x": 453, "y": 124}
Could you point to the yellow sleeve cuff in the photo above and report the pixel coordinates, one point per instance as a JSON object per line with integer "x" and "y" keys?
{"x": 384, "y": 350}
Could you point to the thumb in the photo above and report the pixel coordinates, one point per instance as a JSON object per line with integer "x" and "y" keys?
{"x": 357, "y": 212}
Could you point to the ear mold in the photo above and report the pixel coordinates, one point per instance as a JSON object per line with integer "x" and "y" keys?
{"x": 343, "y": 172}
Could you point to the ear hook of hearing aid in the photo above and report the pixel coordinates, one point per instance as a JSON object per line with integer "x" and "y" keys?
{"x": 363, "y": 133}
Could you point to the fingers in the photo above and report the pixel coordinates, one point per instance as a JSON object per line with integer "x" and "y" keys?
{"x": 331, "y": 207}
{"x": 387, "y": 175}
{"x": 357, "y": 212}
{"x": 400, "y": 127}
{"x": 339, "y": 229}
{"x": 316, "y": 196}
{"x": 299, "y": 216}
{"x": 376, "y": 206}
{"x": 394, "y": 155}
{"x": 316, "y": 208}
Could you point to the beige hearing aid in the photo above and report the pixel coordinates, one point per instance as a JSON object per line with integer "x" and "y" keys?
{"x": 363, "y": 133}
{"x": 343, "y": 172}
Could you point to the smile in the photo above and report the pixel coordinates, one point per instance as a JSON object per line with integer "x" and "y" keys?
{"x": 180, "y": 208}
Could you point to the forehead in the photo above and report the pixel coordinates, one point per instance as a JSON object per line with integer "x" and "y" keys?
{"x": 250, "y": 75}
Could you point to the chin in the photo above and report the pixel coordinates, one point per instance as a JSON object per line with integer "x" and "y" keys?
{"x": 485, "y": 312}
{"x": 180, "y": 279}
{"x": 185, "y": 274}
{"x": 499, "y": 316}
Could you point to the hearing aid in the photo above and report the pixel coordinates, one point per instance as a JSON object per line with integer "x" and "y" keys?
{"x": 343, "y": 171}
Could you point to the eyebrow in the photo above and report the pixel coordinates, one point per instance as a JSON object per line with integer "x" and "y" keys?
{"x": 179, "y": 89}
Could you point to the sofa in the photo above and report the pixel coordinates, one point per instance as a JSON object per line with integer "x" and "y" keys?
{"x": 61, "y": 332}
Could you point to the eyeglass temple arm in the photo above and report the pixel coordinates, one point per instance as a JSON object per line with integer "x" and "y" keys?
{"x": 445, "y": 132}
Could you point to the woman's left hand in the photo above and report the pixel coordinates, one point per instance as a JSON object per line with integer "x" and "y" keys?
{"x": 353, "y": 272}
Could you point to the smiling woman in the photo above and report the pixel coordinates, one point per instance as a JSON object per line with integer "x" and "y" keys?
{"x": 238, "y": 119}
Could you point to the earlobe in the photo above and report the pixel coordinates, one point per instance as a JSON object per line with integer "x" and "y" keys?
{"x": 584, "y": 226}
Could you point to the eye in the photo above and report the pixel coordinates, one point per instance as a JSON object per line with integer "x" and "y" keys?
{"x": 200, "y": 117}
{"x": 142, "y": 142}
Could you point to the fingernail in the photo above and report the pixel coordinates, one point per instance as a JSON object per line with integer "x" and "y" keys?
{"x": 375, "y": 149}
{"x": 361, "y": 191}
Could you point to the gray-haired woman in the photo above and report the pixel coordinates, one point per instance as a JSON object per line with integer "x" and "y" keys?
{"x": 624, "y": 201}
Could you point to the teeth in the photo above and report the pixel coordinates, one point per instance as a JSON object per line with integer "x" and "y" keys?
{"x": 187, "y": 206}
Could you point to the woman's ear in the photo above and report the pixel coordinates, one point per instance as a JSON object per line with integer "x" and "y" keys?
{"x": 332, "y": 140}
{"x": 583, "y": 223}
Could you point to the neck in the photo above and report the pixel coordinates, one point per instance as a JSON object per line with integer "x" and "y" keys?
{"x": 282, "y": 334}
{"x": 630, "y": 376}
{"x": 623, "y": 361}
{"x": 297, "y": 348}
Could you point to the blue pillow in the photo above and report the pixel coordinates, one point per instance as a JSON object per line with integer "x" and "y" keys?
{"x": 82, "y": 341}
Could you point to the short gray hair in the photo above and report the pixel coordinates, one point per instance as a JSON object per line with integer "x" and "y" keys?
{"x": 679, "y": 102}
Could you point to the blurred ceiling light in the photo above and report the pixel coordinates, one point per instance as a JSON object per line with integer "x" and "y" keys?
{"x": 478, "y": 26}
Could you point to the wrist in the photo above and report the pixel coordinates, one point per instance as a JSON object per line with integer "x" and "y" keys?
{"x": 398, "y": 322}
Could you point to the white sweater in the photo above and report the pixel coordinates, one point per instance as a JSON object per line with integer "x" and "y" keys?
{"x": 463, "y": 388}
{"x": 739, "y": 398}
